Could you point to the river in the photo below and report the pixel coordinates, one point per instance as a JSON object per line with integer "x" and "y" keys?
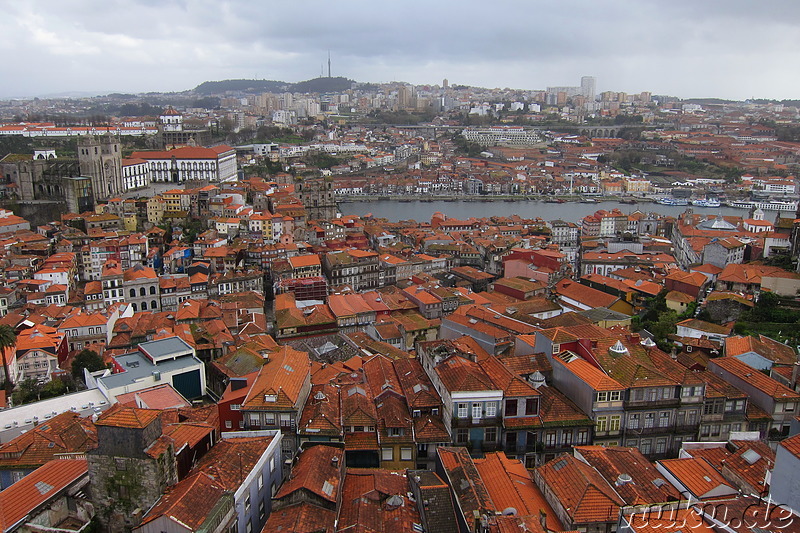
{"x": 395, "y": 210}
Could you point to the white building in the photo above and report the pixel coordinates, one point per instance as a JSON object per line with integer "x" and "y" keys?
{"x": 169, "y": 360}
{"x": 214, "y": 164}
{"x": 135, "y": 174}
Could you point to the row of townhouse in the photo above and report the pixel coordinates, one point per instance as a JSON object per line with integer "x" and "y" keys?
{"x": 637, "y": 395}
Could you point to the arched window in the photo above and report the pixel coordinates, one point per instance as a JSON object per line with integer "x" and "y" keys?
{"x": 144, "y": 306}
{"x": 134, "y": 307}
{"x": 152, "y": 289}
{"x": 142, "y": 291}
{"x": 133, "y": 293}
{"x": 153, "y": 305}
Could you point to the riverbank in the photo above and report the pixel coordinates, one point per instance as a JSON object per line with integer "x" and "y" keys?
{"x": 498, "y": 198}
{"x": 573, "y": 211}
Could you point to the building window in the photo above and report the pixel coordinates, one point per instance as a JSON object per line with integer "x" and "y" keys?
{"x": 602, "y": 396}
{"x": 566, "y": 437}
{"x": 490, "y": 434}
{"x": 405, "y": 454}
{"x": 462, "y": 435}
{"x": 491, "y": 409}
{"x": 261, "y": 481}
{"x": 228, "y": 424}
{"x": 511, "y": 408}
{"x": 462, "y": 410}
{"x": 649, "y": 420}
{"x": 633, "y": 421}
{"x": 386, "y": 454}
{"x": 477, "y": 410}
{"x": 531, "y": 406}
{"x": 614, "y": 396}
{"x": 614, "y": 423}
{"x": 120, "y": 463}
{"x": 713, "y": 408}
{"x": 661, "y": 445}
{"x": 550, "y": 439}
{"x": 663, "y": 419}
{"x": 645, "y": 446}
{"x": 247, "y": 503}
{"x": 601, "y": 424}
{"x": 582, "y": 437}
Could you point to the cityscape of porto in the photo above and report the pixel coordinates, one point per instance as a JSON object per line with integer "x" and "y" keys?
{"x": 359, "y": 268}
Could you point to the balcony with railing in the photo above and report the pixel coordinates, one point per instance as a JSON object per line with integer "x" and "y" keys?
{"x": 642, "y": 431}
{"x": 471, "y": 422}
{"x": 658, "y": 403}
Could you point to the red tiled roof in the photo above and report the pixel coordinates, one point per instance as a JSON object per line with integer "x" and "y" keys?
{"x": 282, "y": 377}
{"x": 127, "y": 417}
{"x": 699, "y": 477}
{"x": 593, "y": 376}
{"x": 755, "y": 378}
{"x": 24, "y": 496}
{"x": 583, "y": 294}
{"x": 301, "y": 518}
{"x": 510, "y": 485}
{"x": 614, "y": 461}
{"x": 585, "y": 494}
{"x": 318, "y": 470}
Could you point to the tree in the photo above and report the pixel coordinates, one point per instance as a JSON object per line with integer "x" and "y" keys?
{"x": 8, "y": 340}
{"x": 53, "y": 388}
{"x": 87, "y": 359}
{"x": 27, "y": 391}
{"x": 664, "y": 326}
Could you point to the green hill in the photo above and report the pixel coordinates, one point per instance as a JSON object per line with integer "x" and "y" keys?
{"x": 317, "y": 85}
{"x": 248, "y": 86}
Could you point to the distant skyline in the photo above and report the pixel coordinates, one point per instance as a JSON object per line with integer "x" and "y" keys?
{"x": 734, "y": 49}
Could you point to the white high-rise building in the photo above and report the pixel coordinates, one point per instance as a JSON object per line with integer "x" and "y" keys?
{"x": 588, "y": 87}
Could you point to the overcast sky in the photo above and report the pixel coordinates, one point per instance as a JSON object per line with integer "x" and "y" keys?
{"x": 688, "y": 48}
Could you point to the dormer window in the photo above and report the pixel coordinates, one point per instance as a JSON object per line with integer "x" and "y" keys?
{"x": 270, "y": 397}
{"x": 532, "y": 406}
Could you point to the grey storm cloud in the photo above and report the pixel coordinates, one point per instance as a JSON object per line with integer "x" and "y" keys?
{"x": 730, "y": 49}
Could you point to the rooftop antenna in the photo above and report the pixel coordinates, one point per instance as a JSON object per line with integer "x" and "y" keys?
{"x": 329, "y": 63}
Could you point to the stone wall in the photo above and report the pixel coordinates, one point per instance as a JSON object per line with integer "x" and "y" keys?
{"x": 124, "y": 488}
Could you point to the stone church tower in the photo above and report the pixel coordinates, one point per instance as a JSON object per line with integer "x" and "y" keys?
{"x": 100, "y": 159}
{"x": 317, "y": 197}
{"x": 131, "y": 467}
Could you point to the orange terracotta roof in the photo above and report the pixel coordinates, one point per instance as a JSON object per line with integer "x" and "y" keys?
{"x": 301, "y": 517}
{"x": 127, "y": 417}
{"x": 281, "y": 379}
{"x": 699, "y": 477}
{"x": 510, "y": 485}
{"x": 585, "y": 494}
{"x": 318, "y": 470}
{"x": 46, "y": 482}
{"x": 593, "y": 376}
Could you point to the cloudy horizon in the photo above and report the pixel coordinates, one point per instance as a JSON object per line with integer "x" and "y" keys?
{"x": 734, "y": 49}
